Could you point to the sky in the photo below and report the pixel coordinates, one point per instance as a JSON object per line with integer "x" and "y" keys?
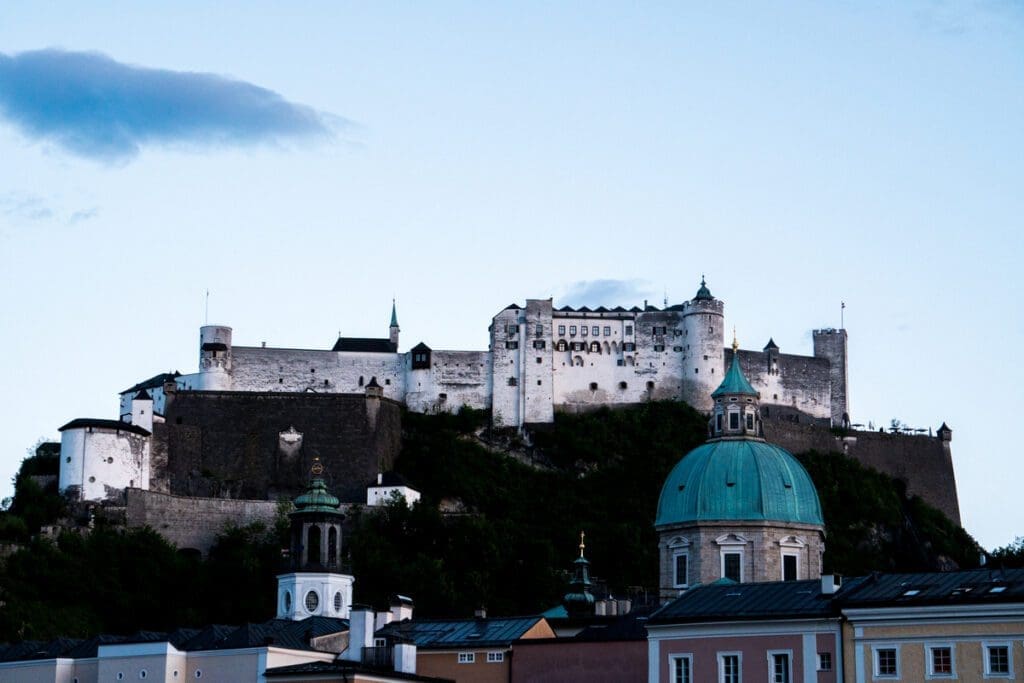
{"x": 307, "y": 162}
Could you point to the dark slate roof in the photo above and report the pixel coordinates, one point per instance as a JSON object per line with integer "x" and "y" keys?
{"x": 439, "y": 634}
{"x": 365, "y": 345}
{"x": 932, "y": 588}
{"x": 143, "y": 395}
{"x": 83, "y": 422}
{"x": 774, "y": 600}
{"x": 154, "y": 381}
{"x": 343, "y": 669}
{"x": 771, "y": 345}
{"x": 421, "y": 347}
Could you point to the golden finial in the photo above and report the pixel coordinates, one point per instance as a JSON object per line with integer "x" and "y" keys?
{"x": 317, "y": 469}
{"x": 582, "y": 544}
{"x": 735, "y": 344}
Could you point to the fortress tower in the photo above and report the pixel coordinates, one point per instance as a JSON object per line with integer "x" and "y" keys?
{"x": 703, "y": 334}
{"x": 214, "y": 358}
{"x": 831, "y": 344}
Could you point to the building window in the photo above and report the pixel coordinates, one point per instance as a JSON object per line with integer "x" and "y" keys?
{"x": 512, "y": 329}
{"x": 467, "y": 657}
{"x": 789, "y": 567}
{"x": 561, "y": 330}
{"x": 718, "y": 422}
{"x": 579, "y": 346}
{"x": 659, "y": 347}
{"x": 595, "y": 330}
{"x": 729, "y": 668}
{"x": 595, "y": 347}
{"x": 658, "y": 330}
{"x": 583, "y": 330}
{"x": 780, "y": 668}
{"x": 750, "y": 421}
{"x": 887, "y": 664}
{"x": 312, "y": 601}
{"x": 562, "y": 346}
{"x": 682, "y": 668}
{"x": 539, "y": 343}
{"x": 997, "y": 660}
{"x": 539, "y": 330}
{"x": 593, "y": 386}
{"x": 677, "y": 349}
{"x": 650, "y": 386}
{"x": 680, "y": 563}
{"x": 622, "y": 385}
{"x": 572, "y": 330}
{"x": 824, "y": 661}
{"x": 607, "y": 331}
{"x": 629, "y": 329}
{"x": 629, "y": 346}
{"x": 495, "y": 657}
{"x": 734, "y": 420}
{"x": 511, "y": 345}
{"x": 732, "y": 566}
{"x": 940, "y": 661}
{"x": 513, "y": 382}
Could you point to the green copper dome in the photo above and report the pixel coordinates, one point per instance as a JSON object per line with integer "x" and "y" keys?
{"x": 317, "y": 498}
{"x": 739, "y": 479}
{"x": 703, "y": 294}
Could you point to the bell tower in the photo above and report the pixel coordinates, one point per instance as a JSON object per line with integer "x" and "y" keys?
{"x": 315, "y": 584}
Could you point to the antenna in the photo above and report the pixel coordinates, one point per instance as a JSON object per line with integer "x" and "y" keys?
{"x": 842, "y": 315}
{"x": 206, "y": 317}
{"x": 666, "y": 297}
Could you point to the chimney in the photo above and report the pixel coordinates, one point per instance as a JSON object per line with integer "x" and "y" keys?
{"x": 830, "y": 583}
{"x": 360, "y": 633}
{"x": 404, "y": 657}
{"x": 383, "y": 619}
{"x": 401, "y": 607}
{"x": 480, "y": 612}
{"x": 380, "y": 478}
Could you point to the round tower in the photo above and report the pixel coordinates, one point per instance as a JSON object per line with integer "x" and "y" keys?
{"x": 703, "y": 334}
{"x": 315, "y": 584}
{"x": 214, "y": 358}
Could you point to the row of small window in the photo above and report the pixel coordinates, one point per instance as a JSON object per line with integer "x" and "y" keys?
{"x": 144, "y": 674}
{"x": 492, "y": 657}
{"x": 594, "y": 330}
{"x": 732, "y": 567}
{"x": 730, "y": 667}
{"x": 734, "y": 421}
{"x": 941, "y": 661}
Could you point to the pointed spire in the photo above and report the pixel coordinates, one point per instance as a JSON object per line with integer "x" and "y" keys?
{"x": 579, "y": 601}
{"x": 394, "y": 313}
{"x": 735, "y": 382}
{"x": 703, "y": 293}
{"x": 583, "y": 535}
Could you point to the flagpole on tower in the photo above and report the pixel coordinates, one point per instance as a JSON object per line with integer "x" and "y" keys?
{"x": 842, "y": 315}
{"x": 206, "y": 314}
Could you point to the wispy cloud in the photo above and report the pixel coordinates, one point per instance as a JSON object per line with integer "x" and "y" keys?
{"x": 95, "y": 107}
{"x": 25, "y": 207}
{"x": 606, "y": 293}
{"x": 83, "y": 215}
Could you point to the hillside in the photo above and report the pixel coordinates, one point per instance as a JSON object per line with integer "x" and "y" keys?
{"x": 510, "y": 534}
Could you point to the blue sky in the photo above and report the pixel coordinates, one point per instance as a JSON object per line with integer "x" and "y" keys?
{"x": 307, "y": 163}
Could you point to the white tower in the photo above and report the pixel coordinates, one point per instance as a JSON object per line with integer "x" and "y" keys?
{"x": 315, "y": 586}
{"x": 703, "y": 335}
{"x": 214, "y": 358}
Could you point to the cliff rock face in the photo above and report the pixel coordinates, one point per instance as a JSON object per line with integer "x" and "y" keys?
{"x": 261, "y": 445}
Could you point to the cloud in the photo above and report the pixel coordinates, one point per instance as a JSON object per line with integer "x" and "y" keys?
{"x": 606, "y": 293}
{"x": 25, "y": 207}
{"x": 83, "y": 215}
{"x": 95, "y": 107}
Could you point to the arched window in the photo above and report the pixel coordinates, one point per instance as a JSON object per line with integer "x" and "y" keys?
{"x": 313, "y": 545}
{"x": 595, "y": 347}
{"x": 562, "y": 345}
{"x": 360, "y": 380}
{"x": 630, "y": 361}
{"x": 332, "y": 547}
{"x": 577, "y": 361}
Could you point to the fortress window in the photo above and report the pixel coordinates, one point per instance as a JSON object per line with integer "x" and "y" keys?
{"x": 538, "y": 383}
{"x": 711, "y": 330}
{"x": 442, "y": 396}
{"x": 325, "y": 383}
{"x": 659, "y": 330}
{"x": 659, "y": 347}
{"x": 387, "y": 382}
{"x": 696, "y": 370}
{"x": 583, "y": 331}
{"x": 562, "y": 346}
{"x": 540, "y": 330}
{"x": 677, "y": 349}
{"x": 607, "y": 331}
{"x": 361, "y": 380}
{"x": 677, "y": 333}
{"x": 650, "y": 386}
{"x": 512, "y": 329}
{"x": 511, "y": 345}
{"x": 513, "y": 382}
{"x": 629, "y": 329}
{"x": 280, "y": 380}
{"x": 561, "y": 330}
{"x": 593, "y": 386}
{"x": 539, "y": 343}
{"x": 572, "y": 330}
{"x": 595, "y": 330}
{"x": 629, "y": 346}
{"x": 595, "y": 347}
{"x": 92, "y": 480}
{"x": 312, "y": 369}
{"x": 622, "y": 385}
{"x": 539, "y": 359}
{"x": 620, "y": 362}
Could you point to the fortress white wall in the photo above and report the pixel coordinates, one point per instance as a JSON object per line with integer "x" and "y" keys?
{"x": 454, "y": 379}
{"x": 100, "y": 462}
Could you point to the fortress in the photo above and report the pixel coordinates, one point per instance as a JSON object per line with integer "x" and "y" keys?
{"x": 246, "y": 424}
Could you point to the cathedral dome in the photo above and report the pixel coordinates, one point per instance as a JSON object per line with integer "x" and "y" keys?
{"x": 738, "y": 479}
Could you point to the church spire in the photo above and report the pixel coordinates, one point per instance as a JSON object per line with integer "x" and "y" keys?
{"x": 579, "y": 601}
{"x": 393, "y": 329}
{"x": 736, "y": 412}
